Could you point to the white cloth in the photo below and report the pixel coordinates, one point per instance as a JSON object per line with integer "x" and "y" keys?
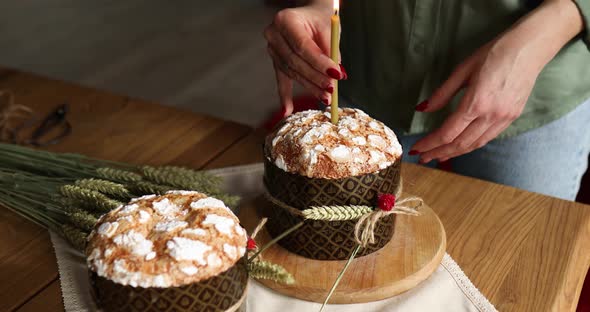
{"x": 447, "y": 290}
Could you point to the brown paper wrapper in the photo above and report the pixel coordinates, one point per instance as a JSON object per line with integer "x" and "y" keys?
{"x": 326, "y": 240}
{"x": 216, "y": 294}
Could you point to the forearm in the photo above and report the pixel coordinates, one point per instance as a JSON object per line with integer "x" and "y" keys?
{"x": 544, "y": 31}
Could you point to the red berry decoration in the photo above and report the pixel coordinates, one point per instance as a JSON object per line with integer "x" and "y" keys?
{"x": 251, "y": 244}
{"x": 386, "y": 202}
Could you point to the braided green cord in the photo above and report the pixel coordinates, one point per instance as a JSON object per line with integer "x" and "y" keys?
{"x": 336, "y": 213}
{"x": 270, "y": 271}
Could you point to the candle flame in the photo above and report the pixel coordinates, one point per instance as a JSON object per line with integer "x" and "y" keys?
{"x": 336, "y": 6}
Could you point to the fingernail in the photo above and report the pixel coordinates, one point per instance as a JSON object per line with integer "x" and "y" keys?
{"x": 413, "y": 152}
{"x": 330, "y": 89}
{"x": 422, "y": 106}
{"x": 324, "y": 101}
{"x": 344, "y": 74}
{"x": 334, "y": 73}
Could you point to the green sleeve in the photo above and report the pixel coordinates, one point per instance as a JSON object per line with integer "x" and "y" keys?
{"x": 584, "y": 7}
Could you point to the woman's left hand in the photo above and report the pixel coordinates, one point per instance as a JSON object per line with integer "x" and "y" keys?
{"x": 498, "y": 79}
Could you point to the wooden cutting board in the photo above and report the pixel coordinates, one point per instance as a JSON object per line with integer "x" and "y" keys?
{"x": 413, "y": 254}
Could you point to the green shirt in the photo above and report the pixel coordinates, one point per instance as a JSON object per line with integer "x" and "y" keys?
{"x": 397, "y": 52}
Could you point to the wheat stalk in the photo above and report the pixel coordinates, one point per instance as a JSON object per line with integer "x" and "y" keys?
{"x": 228, "y": 200}
{"x": 145, "y": 188}
{"x": 89, "y": 198}
{"x": 82, "y": 219}
{"x": 182, "y": 178}
{"x": 265, "y": 270}
{"x": 67, "y": 192}
{"x": 340, "y": 275}
{"x": 336, "y": 213}
{"x": 105, "y": 187}
{"x": 75, "y": 236}
{"x": 69, "y": 205}
{"x": 195, "y": 176}
{"x": 118, "y": 175}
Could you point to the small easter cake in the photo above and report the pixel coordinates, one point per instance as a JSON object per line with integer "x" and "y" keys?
{"x": 311, "y": 162}
{"x": 182, "y": 251}
{"x": 308, "y": 144}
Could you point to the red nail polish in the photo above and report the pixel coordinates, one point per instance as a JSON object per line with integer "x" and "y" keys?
{"x": 324, "y": 101}
{"x": 344, "y": 74}
{"x": 413, "y": 152}
{"x": 422, "y": 106}
{"x": 330, "y": 89}
{"x": 334, "y": 73}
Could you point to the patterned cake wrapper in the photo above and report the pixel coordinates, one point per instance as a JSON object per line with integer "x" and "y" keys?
{"x": 326, "y": 240}
{"x": 323, "y": 240}
{"x": 224, "y": 292}
{"x": 302, "y": 192}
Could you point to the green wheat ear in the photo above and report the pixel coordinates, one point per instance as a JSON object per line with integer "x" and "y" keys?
{"x": 117, "y": 175}
{"x": 69, "y": 205}
{"x": 89, "y": 198}
{"x": 106, "y": 187}
{"x": 82, "y": 219}
{"x": 228, "y": 200}
{"x": 270, "y": 271}
{"x": 193, "y": 175}
{"x": 147, "y": 188}
{"x": 75, "y": 236}
{"x": 336, "y": 213}
{"x": 182, "y": 178}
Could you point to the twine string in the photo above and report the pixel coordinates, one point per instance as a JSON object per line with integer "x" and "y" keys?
{"x": 9, "y": 111}
{"x": 258, "y": 228}
{"x": 253, "y": 237}
{"x": 364, "y": 230}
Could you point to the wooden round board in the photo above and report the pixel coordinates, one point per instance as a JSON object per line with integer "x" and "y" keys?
{"x": 413, "y": 254}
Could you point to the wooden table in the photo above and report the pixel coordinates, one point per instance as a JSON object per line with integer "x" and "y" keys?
{"x": 524, "y": 251}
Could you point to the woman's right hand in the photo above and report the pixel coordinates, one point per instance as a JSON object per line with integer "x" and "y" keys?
{"x": 299, "y": 45}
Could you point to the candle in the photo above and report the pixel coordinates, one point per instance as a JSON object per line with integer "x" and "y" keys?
{"x": 334, "y": 49}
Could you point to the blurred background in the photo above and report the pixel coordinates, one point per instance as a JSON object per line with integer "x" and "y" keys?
{"x": 197, "y": 54}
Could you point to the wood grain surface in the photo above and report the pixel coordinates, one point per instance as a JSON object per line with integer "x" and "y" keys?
{"x": 104, "y": 126}
{"x": 524, "y": 251}
{"x": 412, "y": 255}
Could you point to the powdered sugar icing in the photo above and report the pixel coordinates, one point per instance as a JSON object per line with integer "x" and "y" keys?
{"x": 307, "y": 143}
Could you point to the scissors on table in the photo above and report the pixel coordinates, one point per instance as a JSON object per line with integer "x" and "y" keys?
{"x": 45, "y": 134}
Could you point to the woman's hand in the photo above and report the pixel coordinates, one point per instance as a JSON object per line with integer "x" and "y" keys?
{"x": 498, "y": 79}
{"x": 299, "y": 44}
